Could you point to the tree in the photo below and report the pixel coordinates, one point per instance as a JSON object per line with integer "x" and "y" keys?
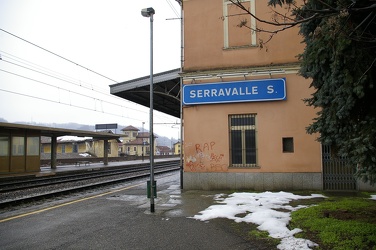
{"x": 340, "y": 58}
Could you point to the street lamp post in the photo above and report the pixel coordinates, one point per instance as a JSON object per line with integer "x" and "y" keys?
{"x": 149, "y": 12}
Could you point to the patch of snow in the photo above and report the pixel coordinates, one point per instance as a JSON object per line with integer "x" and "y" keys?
{"x": 264, "y": 209}
{"x": 373, "y": 197}
{"x": 72, "y": 138}
{"x": 85, "y": 154}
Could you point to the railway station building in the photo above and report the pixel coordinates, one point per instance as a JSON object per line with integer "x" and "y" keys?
{"x": 242, "y": 110}
{"x": 244, "y": 118}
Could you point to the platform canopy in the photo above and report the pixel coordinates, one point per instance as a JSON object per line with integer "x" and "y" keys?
{"x": 51, "y": 132}
{"x": 166, "y": 91}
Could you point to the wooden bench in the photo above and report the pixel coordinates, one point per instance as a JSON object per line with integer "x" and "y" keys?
{"x": 82, "y": 162}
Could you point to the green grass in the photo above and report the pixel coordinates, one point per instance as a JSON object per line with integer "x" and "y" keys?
{"x": 339, "y": 223}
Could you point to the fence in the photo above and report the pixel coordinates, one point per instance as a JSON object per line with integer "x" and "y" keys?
{"x": 337, "y": 174}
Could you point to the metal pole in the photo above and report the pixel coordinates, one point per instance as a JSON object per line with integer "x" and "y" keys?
{"x": 151, "y": 120}
{"x": 181, "y": 95}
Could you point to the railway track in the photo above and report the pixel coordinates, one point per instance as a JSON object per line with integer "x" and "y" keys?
{"x": 25, "y": 191}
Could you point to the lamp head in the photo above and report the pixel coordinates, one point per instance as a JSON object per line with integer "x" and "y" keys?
{"x": 147, "y": 12}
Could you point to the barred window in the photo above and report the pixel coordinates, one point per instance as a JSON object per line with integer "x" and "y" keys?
{"x": 243, "y": 140}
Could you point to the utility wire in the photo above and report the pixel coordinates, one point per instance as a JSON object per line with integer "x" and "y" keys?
{"x": 57, "y": 55}
{"x": 68, "y": 104}
{"x": 46, "y": 74}
{"x": 173, "y": 8}
{"x": 91, "y": 97}
{"x": 39, "y": 68}
{"x": 56, "y": 77}
{"x": 64, "y": 80}
{"x": 59, "y": 88}
{"x": 68, "y": 81}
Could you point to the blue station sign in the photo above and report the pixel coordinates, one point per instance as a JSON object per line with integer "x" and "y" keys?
{"x": 240, "y": 91}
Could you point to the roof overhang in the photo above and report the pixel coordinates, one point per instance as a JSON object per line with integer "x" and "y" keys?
{"x": 51, "y": 132}
{"x": 167, "y": 93}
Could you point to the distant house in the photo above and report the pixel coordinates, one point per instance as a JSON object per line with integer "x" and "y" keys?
{"x": 73, "y": 145}
{"x": 177, "y": 148}
{"x": 163, "y": 150}
{"x": 65, "y": 144}
{"x": 135, "y": 142}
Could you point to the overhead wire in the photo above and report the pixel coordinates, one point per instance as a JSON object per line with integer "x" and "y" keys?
{"x": 79, "y": 65}
{"x": 122, "y": 107}
{"x": 44, "y": 69}
{"x": 173, "y": 8}
{"x": 56, "y": 77}
{"x": 46, "y": 74}
{"x": 68, "y": 90}
{"x": 67, "y": 104}
{"x": 65, "y": 80}
{"x": 59, "y": 78}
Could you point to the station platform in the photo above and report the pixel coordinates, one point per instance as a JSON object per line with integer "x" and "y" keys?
{"x": 120, "y": 218}
{"x": 60, "y": 169}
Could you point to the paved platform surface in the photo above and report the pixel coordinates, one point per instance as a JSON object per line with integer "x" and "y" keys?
{"x": 120, "y": 218}
{"x": 82, "y": 167}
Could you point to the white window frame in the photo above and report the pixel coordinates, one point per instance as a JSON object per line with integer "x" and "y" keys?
{"x": 252, "y": 4}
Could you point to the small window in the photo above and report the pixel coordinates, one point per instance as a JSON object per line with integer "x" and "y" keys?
{"x": 75, "y": 148}
{"x": 18, "y": 145}
{"x": 32, "y": 146}
{"x": 4, "y": 146}
{"x": 288, "y": 145}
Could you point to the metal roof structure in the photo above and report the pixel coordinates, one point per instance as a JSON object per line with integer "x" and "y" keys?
{"x": 167, "y": 91}
{"x": 52, "y": 132}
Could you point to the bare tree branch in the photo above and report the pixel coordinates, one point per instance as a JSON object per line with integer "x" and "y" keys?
{"x": 306, "y": 15}
{"x": 241, "y": 6}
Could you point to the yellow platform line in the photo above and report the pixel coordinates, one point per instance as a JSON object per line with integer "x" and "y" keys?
{"x": 67, "y": 203}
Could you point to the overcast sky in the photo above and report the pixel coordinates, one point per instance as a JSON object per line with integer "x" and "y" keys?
{"x": 106, "y": 42}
